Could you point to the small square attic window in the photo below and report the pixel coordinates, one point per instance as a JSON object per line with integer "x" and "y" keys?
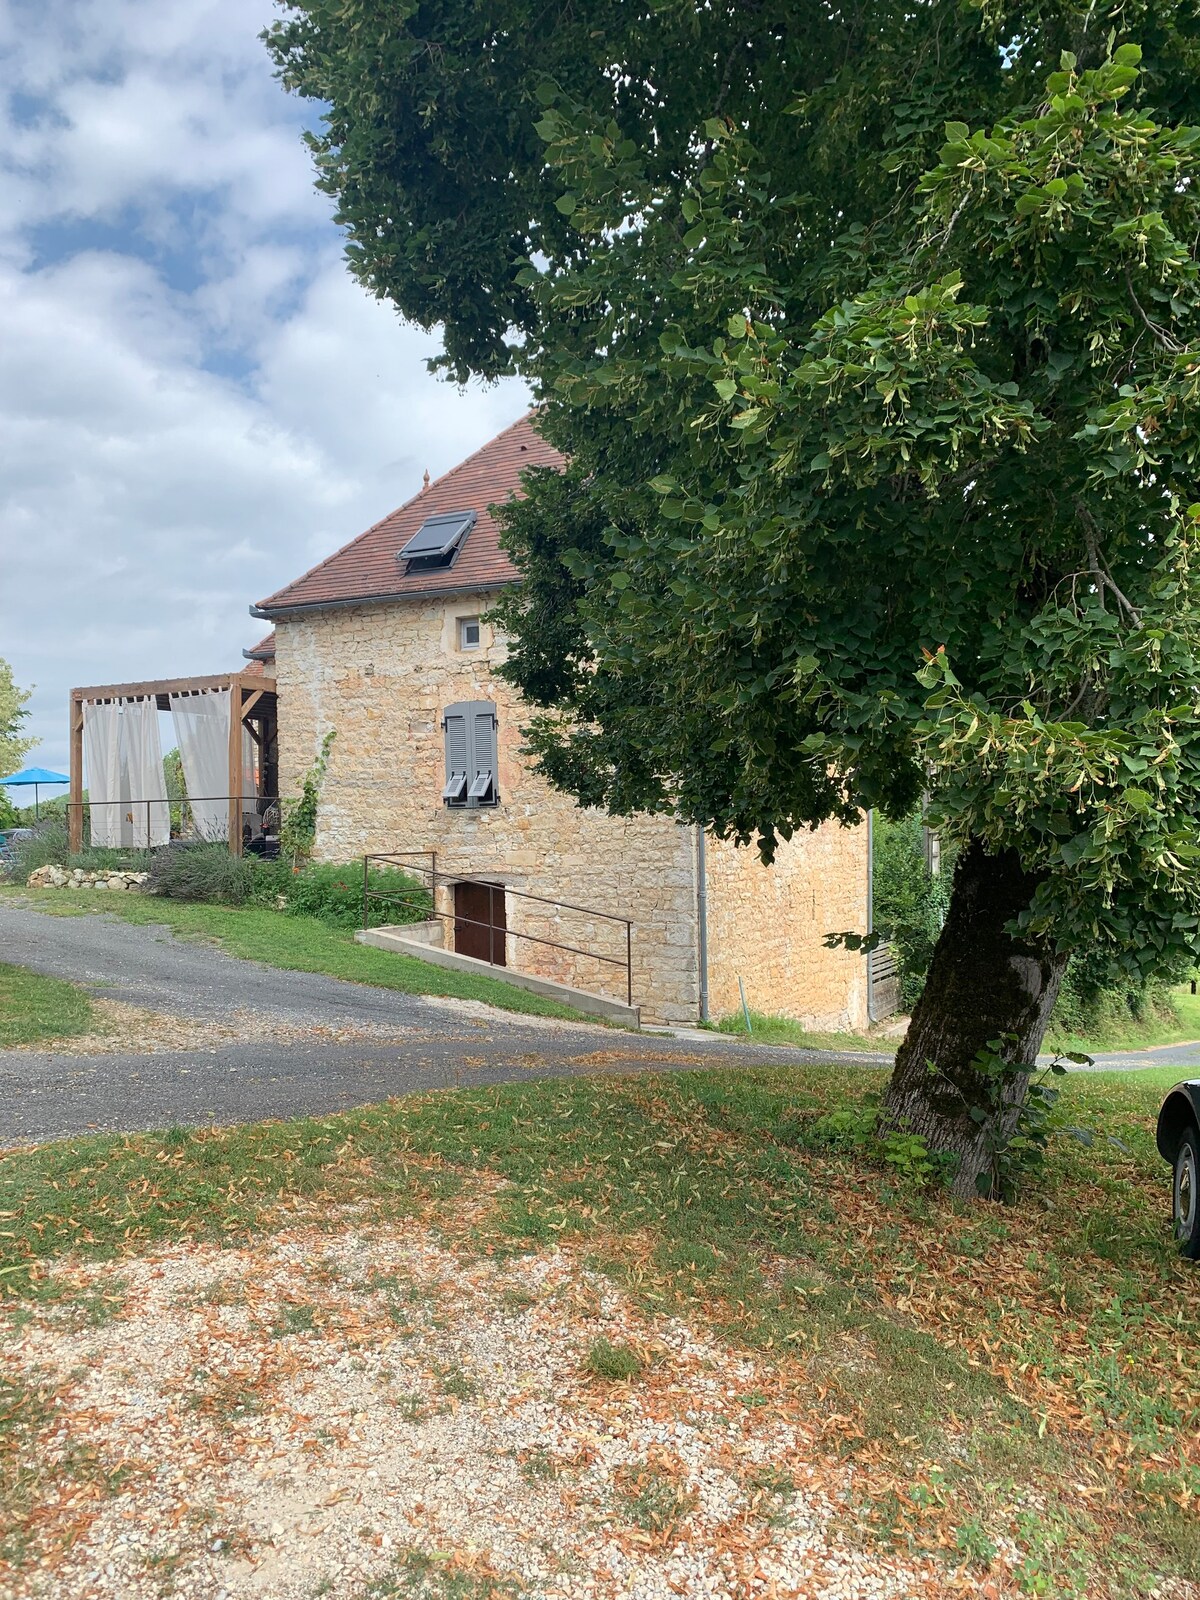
{"x": 468, "y": 633}
{"x": 437, "y": 541}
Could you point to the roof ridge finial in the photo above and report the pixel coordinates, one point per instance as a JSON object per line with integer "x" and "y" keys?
{"x": 425, "y": 481}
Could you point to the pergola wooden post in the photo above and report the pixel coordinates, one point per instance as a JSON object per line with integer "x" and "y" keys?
{"x": 246, "y": 691}
{"x": 242, "y": 701}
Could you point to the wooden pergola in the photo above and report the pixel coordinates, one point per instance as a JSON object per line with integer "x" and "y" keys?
{"x": 252, "y": 705}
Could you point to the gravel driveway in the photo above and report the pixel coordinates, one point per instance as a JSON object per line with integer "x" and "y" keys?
{"x": 399, "y": 1042}
{"x": 270, "y": 1043}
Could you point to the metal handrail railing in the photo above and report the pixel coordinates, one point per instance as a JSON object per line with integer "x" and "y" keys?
{"x": 399, "y": 859}
{"x": 84, "y": 807}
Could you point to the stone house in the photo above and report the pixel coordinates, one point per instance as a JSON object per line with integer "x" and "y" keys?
{"x": 386, "y": 642}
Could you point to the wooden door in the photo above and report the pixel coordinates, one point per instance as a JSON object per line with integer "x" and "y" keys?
{"x": 479, "y": 921}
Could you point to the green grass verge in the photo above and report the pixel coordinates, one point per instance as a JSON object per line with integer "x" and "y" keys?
{"x": 1132, "y": 1034}
{"x": 34, "y": 1008}
{"x": 1025, "y": 1373}
{"x": 786, "y": 1030}
{"x": 299, "y": 944}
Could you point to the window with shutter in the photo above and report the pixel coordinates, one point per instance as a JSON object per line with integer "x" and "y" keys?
{"x": 471, "y": 754}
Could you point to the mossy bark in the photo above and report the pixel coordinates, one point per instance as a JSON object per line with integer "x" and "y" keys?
{"x": 984, "y": 983}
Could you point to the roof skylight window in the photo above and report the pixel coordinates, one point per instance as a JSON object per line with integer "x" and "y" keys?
{"x": 436, "y": 542}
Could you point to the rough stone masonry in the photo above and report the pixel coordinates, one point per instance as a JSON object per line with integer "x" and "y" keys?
{"x": 382, "y": 674}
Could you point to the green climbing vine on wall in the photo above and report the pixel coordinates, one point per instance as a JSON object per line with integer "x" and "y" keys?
{"x": 298, "y": 825}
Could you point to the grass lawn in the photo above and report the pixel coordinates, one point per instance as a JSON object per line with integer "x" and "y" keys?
{"x": 1016, "y": 1388}
{"x": 33, "y": 1008}
{"x": 1128, "y": 1035}
{"x": 786, "y": 1030}
{"x": 300, "y": 944}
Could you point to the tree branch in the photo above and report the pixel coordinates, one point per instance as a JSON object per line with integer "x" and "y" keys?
{"x": 1101, "y": 573}
{"x": 954, "y": 216}
{"x": 1160, "y": 334}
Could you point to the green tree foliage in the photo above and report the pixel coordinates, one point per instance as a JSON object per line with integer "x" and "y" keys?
{"x": 176, "y": 785}
{"x": 14, "y": 747}
{"x": 1096, "y": 1000}
{"x": 910, "y": 903}
{"x": 872, "y": 339}
{"x": 1097, "y": 1003}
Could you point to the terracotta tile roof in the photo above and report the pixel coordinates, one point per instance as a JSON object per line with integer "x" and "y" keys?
{"x": 264, "y": 650}
{"x": 367, "y": 569}
{"x": 258, "y": 658}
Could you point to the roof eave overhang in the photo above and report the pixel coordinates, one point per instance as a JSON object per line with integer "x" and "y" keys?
{"x": 281, "y": 613}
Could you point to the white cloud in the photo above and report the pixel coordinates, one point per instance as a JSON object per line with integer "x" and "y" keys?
{"x": 196, "y": 402}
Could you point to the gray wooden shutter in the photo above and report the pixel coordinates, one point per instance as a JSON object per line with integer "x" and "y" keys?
{"x": 458, "y": 753}
{"x": 483, "y": 786}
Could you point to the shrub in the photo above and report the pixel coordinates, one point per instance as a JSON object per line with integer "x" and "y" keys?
{"x": 1097, "y": 1004}
{"x": 853, "y": 1129}
{"x": 334, "y": 894}
{"x": 99, "y": 858}
{"x": 176, "y": 786}
{"x": 202, "y": 872}
{"x": 1096, "y": 1001}
{"x": 46, "y": 846}
{"x": 205, "y": 871}
{"x": 13, "y": 815}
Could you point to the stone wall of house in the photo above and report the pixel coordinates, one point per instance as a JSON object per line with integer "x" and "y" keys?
{"x": 768, "y": 924}
{"x": 382, "y": 675}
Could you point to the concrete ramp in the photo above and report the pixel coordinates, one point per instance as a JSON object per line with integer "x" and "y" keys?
{"x": 415, "y": 941}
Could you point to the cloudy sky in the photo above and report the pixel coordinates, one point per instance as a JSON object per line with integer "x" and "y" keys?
{"x": 196, "y": 402}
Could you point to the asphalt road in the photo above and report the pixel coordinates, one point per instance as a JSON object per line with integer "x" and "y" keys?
{"x": 432, "y": 1043}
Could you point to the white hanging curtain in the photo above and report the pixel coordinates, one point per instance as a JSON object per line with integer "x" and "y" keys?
{"x": 250, "y": 781}
{"x": 102, "y": 759}
{"x": 145, "y": 816}
{"x": 202, "y": 734}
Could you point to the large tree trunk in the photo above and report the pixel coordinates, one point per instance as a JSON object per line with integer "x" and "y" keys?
{"x": 983, "y": 983}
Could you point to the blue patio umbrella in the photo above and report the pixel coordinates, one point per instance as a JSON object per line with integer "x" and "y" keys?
{"x": 35, "y": 776}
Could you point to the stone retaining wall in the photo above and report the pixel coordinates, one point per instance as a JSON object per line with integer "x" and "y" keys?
{"x": 75, "y": 878}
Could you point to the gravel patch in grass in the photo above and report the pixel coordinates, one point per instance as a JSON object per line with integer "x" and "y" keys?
{"x": 240, "y": 1449}
{"x": 125, "y": 1028}
{"x": 1011, "y": 1391}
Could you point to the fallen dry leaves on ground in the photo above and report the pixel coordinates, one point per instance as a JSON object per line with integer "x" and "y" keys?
{"x": 1064, "y": 1362}
{"x": 319, "y": 1409}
